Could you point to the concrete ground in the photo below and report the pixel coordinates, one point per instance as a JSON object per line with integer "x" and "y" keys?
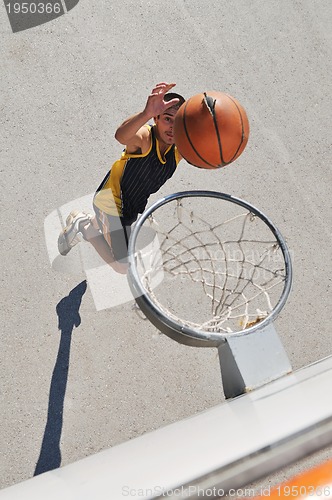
{"x": 77, "y": 378}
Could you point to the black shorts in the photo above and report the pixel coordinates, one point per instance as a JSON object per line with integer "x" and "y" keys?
{"x": 116, "y": 232}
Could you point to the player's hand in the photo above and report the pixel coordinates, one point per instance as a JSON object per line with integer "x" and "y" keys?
{"x": 155, "y": 104}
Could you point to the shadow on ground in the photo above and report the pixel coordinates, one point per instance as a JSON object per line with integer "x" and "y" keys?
{"x": 68, "y": 318}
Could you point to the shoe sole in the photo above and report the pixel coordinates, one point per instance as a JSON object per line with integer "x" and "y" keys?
{"x": 64, "y": 240}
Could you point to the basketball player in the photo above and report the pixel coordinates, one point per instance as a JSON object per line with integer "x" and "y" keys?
{"x": 149, "y": 159}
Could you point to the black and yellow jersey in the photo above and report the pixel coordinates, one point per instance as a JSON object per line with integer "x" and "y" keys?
{"x": 134, "y": 177}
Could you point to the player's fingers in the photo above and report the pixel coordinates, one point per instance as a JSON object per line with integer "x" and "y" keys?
{"x": 165, "y": 84}
{"x": 162, "y": 88}
{"x": 168, "y": 86}
{"x": 171, "y": 103}
{"x": 159, "y": 88}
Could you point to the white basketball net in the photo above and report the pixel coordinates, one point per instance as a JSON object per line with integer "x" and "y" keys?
{"x": 222, "y": 268}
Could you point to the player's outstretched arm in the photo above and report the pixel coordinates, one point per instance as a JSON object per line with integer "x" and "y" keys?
{"x": 132, "y": 132}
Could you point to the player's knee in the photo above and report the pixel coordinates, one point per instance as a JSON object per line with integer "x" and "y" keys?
{"x": 89, "y": 232}
{"x": 120, "y": 267}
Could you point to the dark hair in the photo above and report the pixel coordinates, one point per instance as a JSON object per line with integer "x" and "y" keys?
{"x": 173, "y": 95}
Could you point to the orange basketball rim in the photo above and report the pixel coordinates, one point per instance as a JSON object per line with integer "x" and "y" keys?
{"x": 313, "y": 484}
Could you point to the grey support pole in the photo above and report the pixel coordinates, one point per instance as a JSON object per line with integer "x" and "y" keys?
{"x": 252, "y": 360}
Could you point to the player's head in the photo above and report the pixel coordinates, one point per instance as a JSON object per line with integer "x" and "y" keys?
{"x": 165, "y": 121}
{"x": 172, "y": 95}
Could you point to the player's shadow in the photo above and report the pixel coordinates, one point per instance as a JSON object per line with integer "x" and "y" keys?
{"x": 68, "y": 318}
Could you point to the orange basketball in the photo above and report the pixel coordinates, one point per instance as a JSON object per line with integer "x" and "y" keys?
{"x": 211, "y": 129}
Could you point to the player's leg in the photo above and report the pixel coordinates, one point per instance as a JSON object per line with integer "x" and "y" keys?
{"x": 95, "y": 237}
{"x": 80, "y": 225}
{"x": 97, "y": 230}
{"x": 109, "y": 237}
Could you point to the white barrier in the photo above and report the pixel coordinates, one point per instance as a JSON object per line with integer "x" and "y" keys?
{"x": 220, "y": 449}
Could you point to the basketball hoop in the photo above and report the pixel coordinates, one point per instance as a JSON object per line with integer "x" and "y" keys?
{"x": 226, "y": 268}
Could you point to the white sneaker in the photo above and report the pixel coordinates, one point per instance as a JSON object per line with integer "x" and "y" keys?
{"x": 71, "y": 234}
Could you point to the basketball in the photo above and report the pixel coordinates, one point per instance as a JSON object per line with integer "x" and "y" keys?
{"x": 211, "y": 130}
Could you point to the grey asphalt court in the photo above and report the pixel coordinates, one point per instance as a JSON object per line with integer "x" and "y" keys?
{"x": 76, "y": 375}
